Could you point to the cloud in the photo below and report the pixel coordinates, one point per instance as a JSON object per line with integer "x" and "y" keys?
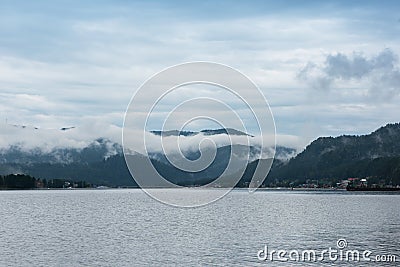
{"x": 73, "y": 63}
{"x": 341, "y": 66}
{"x": 380, "y": 73}
{"x": 29, "y": 137}
{"x": 315, "y": 76}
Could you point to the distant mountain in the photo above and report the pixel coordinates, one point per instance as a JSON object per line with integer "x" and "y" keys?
{"x": 376, "y": 155}
{"x": 242, "y": 155}
{"x": 174, "y": 133}
{"x": 228, "y": 131}
{"x": 111, "y": 171}
{"x": 101, "y": 162}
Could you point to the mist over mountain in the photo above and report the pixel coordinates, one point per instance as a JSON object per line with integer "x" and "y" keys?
{"x": 329, "y": 159}
{"x": 62, "y": 145}
{"x": 101, "y": 161}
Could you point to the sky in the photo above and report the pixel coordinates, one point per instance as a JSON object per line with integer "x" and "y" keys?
{"x": 327, "y": 68}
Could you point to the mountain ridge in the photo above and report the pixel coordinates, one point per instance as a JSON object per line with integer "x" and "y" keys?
{"x": 228, "y": 131}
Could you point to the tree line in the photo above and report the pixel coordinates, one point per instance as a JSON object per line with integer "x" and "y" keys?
{"x": 22, "y": 181}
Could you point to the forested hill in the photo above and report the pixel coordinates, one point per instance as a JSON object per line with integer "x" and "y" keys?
{"x": 376, "y": 155}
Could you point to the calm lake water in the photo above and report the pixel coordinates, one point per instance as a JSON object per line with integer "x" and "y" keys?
{"x": 128, "y": 228}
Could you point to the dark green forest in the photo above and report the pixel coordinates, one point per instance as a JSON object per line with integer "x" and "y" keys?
{"x": 22, "y": 181}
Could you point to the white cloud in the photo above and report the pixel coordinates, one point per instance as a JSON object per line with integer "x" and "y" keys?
{"x": 379, "y": 73}
{"x": 27, "y": 137}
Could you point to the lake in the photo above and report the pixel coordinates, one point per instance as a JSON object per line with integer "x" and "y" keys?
{"x": 125, "y": 227}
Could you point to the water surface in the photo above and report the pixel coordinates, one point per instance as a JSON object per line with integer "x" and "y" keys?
{"x": 128, "y": 228}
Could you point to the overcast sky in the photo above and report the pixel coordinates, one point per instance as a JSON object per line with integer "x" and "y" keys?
{"x": 326, "y": 68}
